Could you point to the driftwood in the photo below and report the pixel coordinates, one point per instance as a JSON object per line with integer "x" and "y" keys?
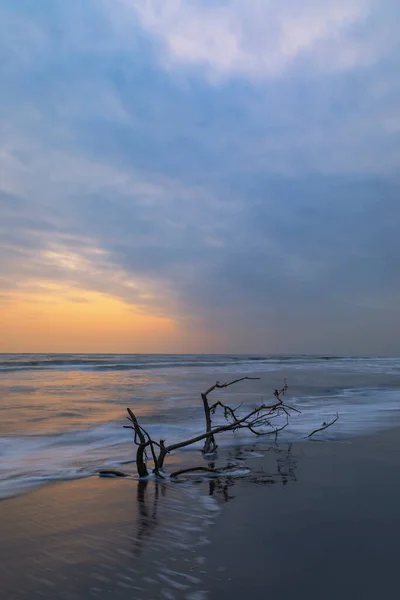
{"x": 143, "y": 441}
{"x": 324, "y": 426}
{"x": 260, "y": 421}
{"x": 209, "y": 469}
{"x": 210, "y": 444}
{"x": 192, "y": 470}
{"x": 112, "y": 473}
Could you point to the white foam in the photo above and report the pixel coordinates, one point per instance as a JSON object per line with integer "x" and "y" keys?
{"x": 28, "y": 460}
{"x": 210, "y": 503}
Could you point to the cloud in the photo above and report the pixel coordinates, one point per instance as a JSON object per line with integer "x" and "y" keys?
{"x": 239, "y": 176}
{"x": 259, "y": 38}
{"x": 292, "y": 252}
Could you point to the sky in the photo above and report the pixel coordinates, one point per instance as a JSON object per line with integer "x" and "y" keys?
{"x": 200, "y": 176}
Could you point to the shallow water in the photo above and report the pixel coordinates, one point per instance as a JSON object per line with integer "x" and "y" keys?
{"x": 106, "y": 539}
{"x": 61, "y": 416}
{"x": 286, "y": 522}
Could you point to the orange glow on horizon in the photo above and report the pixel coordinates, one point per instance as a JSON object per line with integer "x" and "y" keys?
{"x": 62, "y": 319}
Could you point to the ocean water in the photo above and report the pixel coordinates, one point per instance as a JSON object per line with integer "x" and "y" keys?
{"x": 61, "y": 416}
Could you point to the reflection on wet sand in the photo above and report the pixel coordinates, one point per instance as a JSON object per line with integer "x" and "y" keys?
{"x": 152, "y": 494}
{"x": 104, "y": 538}
{"x": 147, "y": 504}
{"x": 285, "y": 471}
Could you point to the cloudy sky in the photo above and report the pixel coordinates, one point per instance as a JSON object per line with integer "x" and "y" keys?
{"x": 200, "y": 176}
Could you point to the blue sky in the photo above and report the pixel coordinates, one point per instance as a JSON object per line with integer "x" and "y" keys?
{"x": 232, "y": 165}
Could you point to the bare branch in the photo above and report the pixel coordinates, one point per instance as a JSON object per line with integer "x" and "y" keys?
{"x": 227, "y": 409}
{"x": 324, "y": 426}
{"x": 238, "y": 423}
{"x": 210, "y": 444}
{"x": 141, "y": 451}
{"x": 192, "y": 470}
{"x": 293, "y": 409}
{"x": 219, "y": 385}
{"x": 220, "y": 471}
{"x": 137, "y": 428}
{"x": 259, "y": 420}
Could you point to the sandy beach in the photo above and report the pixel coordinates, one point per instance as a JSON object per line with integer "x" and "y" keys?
{"x": 199, "y": 300}
{"x": 315, "y": 520}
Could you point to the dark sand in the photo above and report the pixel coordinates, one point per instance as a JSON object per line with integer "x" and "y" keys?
{"x": 318, "y": 521}
{"x": 333, "y": 534}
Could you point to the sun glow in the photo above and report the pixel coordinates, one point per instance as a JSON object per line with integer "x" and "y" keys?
{"x": 58, "y": 318}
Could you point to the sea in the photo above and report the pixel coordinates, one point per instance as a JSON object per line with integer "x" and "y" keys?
{"x": 62, "y": 415}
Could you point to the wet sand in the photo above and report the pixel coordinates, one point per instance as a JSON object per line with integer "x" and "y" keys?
{"x": 332, "y": 534}
{"x": 313, "y": 520}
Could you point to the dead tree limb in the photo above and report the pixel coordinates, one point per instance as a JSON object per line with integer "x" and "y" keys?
{"x": 192, "y": 470}
{"x": 259, "y": 421}
{"x": 230, "y": 413}
{"x": 210, "y": 444}
{"x": 220, "y": 471}
{"x": 254, "y": 420}
{"x": 141, "y": 442}
{"x": 324, "y": 426}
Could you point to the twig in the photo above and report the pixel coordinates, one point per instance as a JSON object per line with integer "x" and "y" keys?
{"x": 219, "y": 385}
{"x": 192, "y": 470}
{"x": 258, "y": 420}
{"x": 227, "y": 409}
{"x": 324, "y": 426}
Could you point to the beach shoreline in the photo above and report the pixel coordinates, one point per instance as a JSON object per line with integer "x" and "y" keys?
{"x": 65, "y": 422}
{"x": 313, "y": 518}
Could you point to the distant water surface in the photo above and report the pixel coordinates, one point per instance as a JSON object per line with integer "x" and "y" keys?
{"x": 61, "y": 415}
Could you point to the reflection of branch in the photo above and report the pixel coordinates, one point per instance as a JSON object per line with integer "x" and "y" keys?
{"x": 287, "y": 466}
{"x": 147, "y": 521}
{"x": 324, "y": 426}
{"x": 221, "y": 487}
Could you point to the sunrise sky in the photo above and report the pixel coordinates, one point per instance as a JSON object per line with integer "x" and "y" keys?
{"x": 200, "y": 176}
